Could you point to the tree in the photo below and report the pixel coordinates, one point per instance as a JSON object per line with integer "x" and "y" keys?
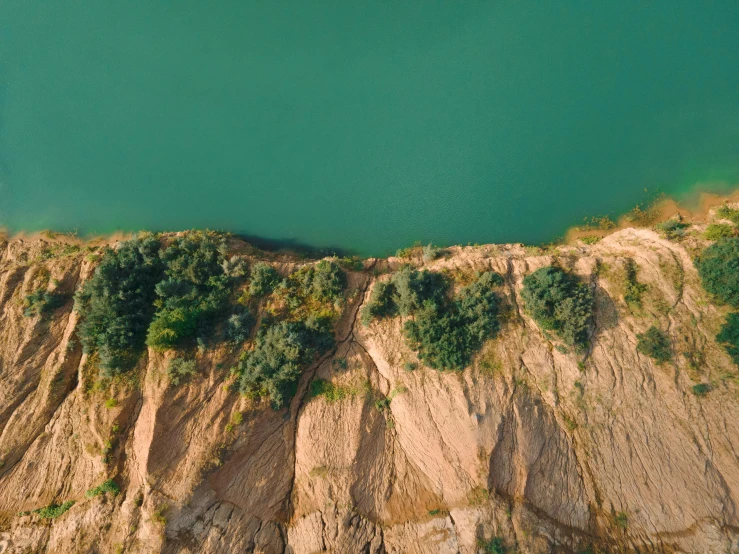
{"x": 558, "y": 301}
{"x": 116, "y": 304}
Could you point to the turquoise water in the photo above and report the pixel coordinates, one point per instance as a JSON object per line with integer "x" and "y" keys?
{"x": 360, "y": 125}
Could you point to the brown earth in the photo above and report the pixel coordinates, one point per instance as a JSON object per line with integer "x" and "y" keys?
{"x": 550, "y": 450}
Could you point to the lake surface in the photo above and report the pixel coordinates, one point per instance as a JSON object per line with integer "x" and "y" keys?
{"x": 360, "y": 125}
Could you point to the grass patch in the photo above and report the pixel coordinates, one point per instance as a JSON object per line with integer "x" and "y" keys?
{"x": 108, "y": 486}
{"x": 52, "y": 511}
{"x": 621, "y": 520}
{"x": 478, "y": 496}
{"x": 321, "y": 388}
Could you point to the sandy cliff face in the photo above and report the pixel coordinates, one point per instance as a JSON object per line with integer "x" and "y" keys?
{"x": 541, "y": 447}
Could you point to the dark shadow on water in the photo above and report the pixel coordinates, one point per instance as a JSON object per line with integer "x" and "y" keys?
{"x": 294, "y": 246}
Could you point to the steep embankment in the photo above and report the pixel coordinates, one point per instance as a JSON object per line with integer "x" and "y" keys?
{"x": 543, "y": 448}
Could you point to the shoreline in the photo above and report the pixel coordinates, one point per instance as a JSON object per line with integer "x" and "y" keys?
{"x": 694, "y": 208}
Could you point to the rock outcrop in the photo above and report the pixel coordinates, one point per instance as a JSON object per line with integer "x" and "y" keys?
{"x": 539, "y": 446}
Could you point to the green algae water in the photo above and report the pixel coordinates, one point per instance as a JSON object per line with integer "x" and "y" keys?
{"x": 360, "y": 125}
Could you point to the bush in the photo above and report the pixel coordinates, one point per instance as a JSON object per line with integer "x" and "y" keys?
{"x": 322, "y": 282}
{"x": 718, "y": 267}
{"x": 430, "y": 253}
{"x": 108, "y": 486}
{"x": 381, "y": 303}
{"x": 42, "y": 302}
{"x": 328, "y": 281}
{"x": 193, "y": 295}
{"x": 447, "y": 334}
{"x": 115, "y": 305}
{"x": 728, "y": 337}
{"x": 701, "y": 389}
{"x": 264, "y": 278}
{"x": 180, "y": 370}
{"x": 673, "y": 229}
{"x": 725, "y": 212}
{"x": 716, "y": 231}
{"x": 655, "y": 344}
{"x": 273, "y": 367}
{"x": 236, "y": 267}
{"x": 413, "y": 288}
{"x": 559, "y": 302}
{"x": 239, "y": 326}
{"x": 444, "y": 332}
{"x": 493, "y": 546}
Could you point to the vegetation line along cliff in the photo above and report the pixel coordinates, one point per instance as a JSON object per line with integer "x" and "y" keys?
{"x": 189, "y": 393}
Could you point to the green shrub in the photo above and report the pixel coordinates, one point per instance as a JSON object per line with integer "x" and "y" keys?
{"x": 273, "y": 367}
{"x": 431, "y": 252}
{"x": 718, "y": 267}
{"x": 322, "y": 282}
{"x": 327, "y": 282}
{"x": 446, "y": 334}
{"x": 716, "y": 231}
{"x": 728, "y": 337}
{"x": 108, "y": 486}
{"x": 622, "y": 520}
{"x": 558, "y": 301}
{"x": 673, "y": 229}
{"x": 264, "y": 278}
{"x": 725, "y": 212}
{"x": 42, "y": 302}
{"x": 53, "y": 511}
{"x": 116, "y": 304}
{"x": 701, "y": 389}
{"x": 413, "y": 288}
{"x": 633, "y": 289}
{"x": 316, "y": 290}
{"x": 194, "y": 293}
{"x": 655, "y": 344}
{"x": 180, "y": 370}
{"x": 381, "y": 303}
{"x": 493, "y": 546}
{"x": 239, "y": 326}
{"x": 235, "y": 267}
